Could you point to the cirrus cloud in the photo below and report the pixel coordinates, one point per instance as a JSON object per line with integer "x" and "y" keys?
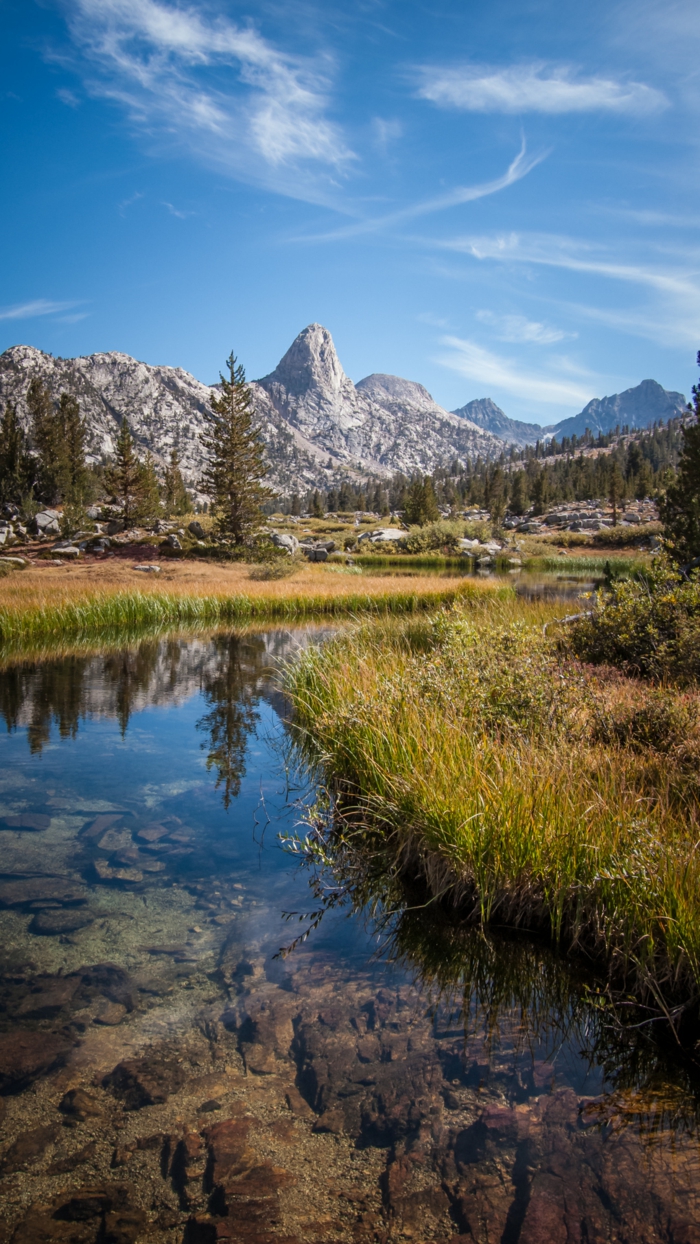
{"x": 508, "y": 376}
{"x": 219, "y": 89}
{"x": 534, "y": 88}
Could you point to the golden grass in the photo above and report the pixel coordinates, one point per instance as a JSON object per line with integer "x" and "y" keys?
{"x": 45, "y": 607}
{"x": 465, "y": 751}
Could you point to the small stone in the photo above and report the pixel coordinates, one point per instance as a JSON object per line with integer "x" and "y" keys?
{"x": 49, "y": 998}
{"x": 39, "y": 889}
{"x": 208, "y": 1106}
{"x": 25, "y": 1055}
{"x": 62, "y": 1166}
{"x": 297, "y": 1104}
{"x": 330, "y": 1121}
{"x": 111, "y": 1014}
{"x": 28, "y": 1147}
{"x": 27, "y": 820}
{"x": 80, "y": 1105}
{"x": 96, "y": 828}
{"x": 148, "y": 568}
{"x": 106, "y": 873}
{"x": 152, "y": 833}
{"x": 54, "y": 922}
{"x": 121, "y": 1157}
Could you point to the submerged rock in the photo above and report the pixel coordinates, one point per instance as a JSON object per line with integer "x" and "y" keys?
{"x": 146, "y": 1081}
{"x": 53, "y": 922}
{"x": 25, "y": 1055}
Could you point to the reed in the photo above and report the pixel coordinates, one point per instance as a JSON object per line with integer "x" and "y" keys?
{"x": 467, "y": 749}
{"x": 131, "y": 612}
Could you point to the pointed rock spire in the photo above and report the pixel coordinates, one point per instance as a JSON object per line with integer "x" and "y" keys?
{"x": 310, "y": 363}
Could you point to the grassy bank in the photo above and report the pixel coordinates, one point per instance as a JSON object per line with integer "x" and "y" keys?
{"x": 520, "y": 786}
{"x": 130, "y": 613}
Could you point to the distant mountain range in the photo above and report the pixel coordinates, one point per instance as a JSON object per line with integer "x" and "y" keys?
{"x": 647, "y": 403}
{"x": 318, "y": 427}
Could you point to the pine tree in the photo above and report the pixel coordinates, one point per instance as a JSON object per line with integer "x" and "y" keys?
{"x": 72, "y": 475}
{"x": 59, "y": 435}
{"x": 345, "y": 501}
{"x": 316, "y": 506}
{"x": 15, "y": 464}
{"x": 421, "y": 505}
{"x": 495, "y": 494}
{"x": 518, "y": 493}
{"x": 233, "y": 479}
{"x": 46, "y": 439}
{"x": 148, "y": 506}
{"x": 125, "y": 477}
{"x": 616, "y": 489}
{"x": 680, "y": 508}
{"x": 175, "y": 495}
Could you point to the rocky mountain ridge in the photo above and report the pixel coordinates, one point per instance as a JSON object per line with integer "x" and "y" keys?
{"x": 318, "y": 427}
{"x": 639, "y": 407}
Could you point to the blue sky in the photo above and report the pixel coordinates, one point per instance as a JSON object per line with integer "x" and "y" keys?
{"x": 496, "y": 199}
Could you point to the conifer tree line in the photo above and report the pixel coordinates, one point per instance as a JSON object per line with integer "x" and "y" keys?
{"x": 631, "y": 467}
{"x": 48, "y": 464}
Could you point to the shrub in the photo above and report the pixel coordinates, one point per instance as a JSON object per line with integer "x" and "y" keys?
{"x": 662, "y": 722}
{"x": 646, "y": 627}
{"x": 444, "y": 535}
{"x": 626, "y": 536}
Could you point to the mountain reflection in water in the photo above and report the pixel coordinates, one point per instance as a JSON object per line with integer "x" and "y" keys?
{"x": 166, "y": 1076}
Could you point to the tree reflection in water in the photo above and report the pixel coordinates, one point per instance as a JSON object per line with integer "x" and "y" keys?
{"x": 231, "y": 689}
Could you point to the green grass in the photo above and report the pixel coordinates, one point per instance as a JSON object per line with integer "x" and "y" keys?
{"x": 463, "y": 750}
{"x": 129, "y": 613}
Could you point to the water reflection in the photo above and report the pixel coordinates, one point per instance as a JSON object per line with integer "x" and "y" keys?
{"x": 164, "y": 1075}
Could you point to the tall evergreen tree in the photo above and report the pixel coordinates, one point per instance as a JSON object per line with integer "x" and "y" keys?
{"x": 125, "y": 477}
{"x": 72, "y": 475}
{"x": 616, "y": 489}
{"x": 518, "y": 493}
{"x": 15, "y": 464}
{"x": 46, "y": 439}
{"x": 233, "y": 478}
{"x": 495, "y": 494}
{"x": 680, "y": 508}
{"x": 59, "y": 435}
{"x": 317, "y": 505}
{"x": 421, "y": 505}
{"x": 148, "y": 505}
{"x": 175, "y": 496}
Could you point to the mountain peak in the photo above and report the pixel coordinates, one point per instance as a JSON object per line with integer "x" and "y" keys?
{"x": 311, "y": 362}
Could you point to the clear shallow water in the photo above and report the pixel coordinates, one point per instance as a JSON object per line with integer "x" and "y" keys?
{"x": 165, "y": 1076}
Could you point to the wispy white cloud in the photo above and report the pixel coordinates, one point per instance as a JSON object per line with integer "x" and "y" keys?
{"x": 517, "y": 328}
{"x": 517, "y": 169}
{"x": 31, "y": 310}
{"x": 67, "y": 97}
{"x": 176, "y": 211}
{"x": 385, "y": 132}
{"x": 675, "y": 290}
{"x": 534, "y": 88}
{"x": 504, "y": 375}
{"x": 133, "y": 198}
{"x": 435, "y": 321}
{"x": 170, "y": 67}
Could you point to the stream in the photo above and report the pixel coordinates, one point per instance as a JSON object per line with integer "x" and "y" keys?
{"x": 166, "y": 1074}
